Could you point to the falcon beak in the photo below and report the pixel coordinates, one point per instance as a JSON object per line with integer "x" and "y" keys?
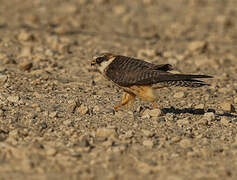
{"x": 93, "y": 62}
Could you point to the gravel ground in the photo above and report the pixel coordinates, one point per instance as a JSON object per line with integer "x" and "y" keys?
{"x": 56, "y": 113}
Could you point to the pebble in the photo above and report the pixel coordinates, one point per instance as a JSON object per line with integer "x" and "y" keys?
{"x": 96, "y": 109}
{"x": 68, "y": 122}
{"x": 129, "y": 134}
{"x": 14, "y": 99}
{"x": 170, "y": 117}
{"x": 195, "y": 45}
{"x": 185, "y": 143}
{"x": 25, "y": 65}
{"x": 106, "y": 132}
{"x": 51, "y": 151}
{"x": 200, "y": 106}
{"x": 49, "y": 52}
{"x": 72, "y": 105}
{"x": 25, "y": 36}
{"x": 179, "y": 94}
{"x": 209, "y": 116}
{"x": 227, "y": 107}
{"x": 147, "y": 133}
{"x": 2, "y": 56}
{"x": 148, "y": 143}
{"x": 175, "y": 139}
{"x": 235, "y": 100}
{"x": 26, "y": 51}
{"x": 203, "y": 121}
{"x": 3, "y": 78}
{"x": 83, "y": 109}
{"x": 151, "y": 113}
{"x": 53, "y": 114}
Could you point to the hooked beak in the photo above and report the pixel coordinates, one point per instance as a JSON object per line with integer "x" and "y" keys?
{"x": 93, "y": 62}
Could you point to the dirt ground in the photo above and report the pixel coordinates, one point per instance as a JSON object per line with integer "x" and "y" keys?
{"x": 56, "y": 113}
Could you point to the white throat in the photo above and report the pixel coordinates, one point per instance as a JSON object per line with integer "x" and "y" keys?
{"x": 105, "y": 64}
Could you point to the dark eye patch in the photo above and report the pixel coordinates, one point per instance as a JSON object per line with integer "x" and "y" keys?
{"x": 100, "y": 60}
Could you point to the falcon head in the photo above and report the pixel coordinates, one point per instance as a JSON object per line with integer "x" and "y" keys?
{"x": 102, "y": 61}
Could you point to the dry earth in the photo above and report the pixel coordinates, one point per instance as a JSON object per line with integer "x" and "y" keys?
{"x": 56, "y": 113}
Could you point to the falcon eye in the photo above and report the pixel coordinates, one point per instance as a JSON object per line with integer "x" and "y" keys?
{"x": 99, "y": 60}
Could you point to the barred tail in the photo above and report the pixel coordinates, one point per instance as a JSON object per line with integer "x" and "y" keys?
{"x": 186, "y": 83}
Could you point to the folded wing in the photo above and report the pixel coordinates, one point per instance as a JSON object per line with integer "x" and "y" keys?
{"x": 126, "y": 71}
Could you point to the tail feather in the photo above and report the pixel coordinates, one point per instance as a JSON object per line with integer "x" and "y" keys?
{"x": 188, "y": 76}
{"x": 185, "y": 80}
{"x": 186, "y": 83}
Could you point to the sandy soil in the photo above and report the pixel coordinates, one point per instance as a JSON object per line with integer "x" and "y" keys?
{"x": 56, "y": 113}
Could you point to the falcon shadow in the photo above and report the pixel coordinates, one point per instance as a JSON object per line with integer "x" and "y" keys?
{"x": 195, "y": 111}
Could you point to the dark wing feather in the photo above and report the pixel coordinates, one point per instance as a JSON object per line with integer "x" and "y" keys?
{"x": 162, "y": 67}
{"x": 126, "y": 71}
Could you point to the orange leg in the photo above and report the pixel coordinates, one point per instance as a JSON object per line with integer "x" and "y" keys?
{"x": 127, "y": 99}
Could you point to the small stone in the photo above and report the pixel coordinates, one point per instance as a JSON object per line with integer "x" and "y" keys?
{"x": 129, "y": 134}
{"x": 3, "y": 78}
{"x": 227, "y": 107}
{"x": 72, "y": 105}
{"x": 2, "y": 56}
{"x": 196, "y": 45}
{"x": 200, "y": 106}
{"x": 25, "y": 65}
{"x": 83, "y": 109}
{"x": 151, "y": 113}
{"x": 49, "y": 53}
{"x": 148, "y": 143}
{"x": 96, "y": 109}
{"x": 68, "y": 122}
{"x": 106, "y": 132}
{"x": 108, "y": 143}
{"x": 53, "y": 114}
{"x": 235, "y": 100}
{"x": 26, "y": 51}
{"x": 203, "y": 122}
{"x": 170, "y": 117}
{"x": 43, "y": 125}
{"x": 209, "y": 116}
{"x": 146, "y": 114}
{"x": 175, "y": 139}
{"x": 147, "y": 133}
{"x": 185, "y": 143}
{"x": 118, "y": 149}
{"x": 225, "y": 121}
{"x": 13, "y": 99}
{"x": 25, "y": 36}
{"x": 155, "y": 112}
{"x": 51, "y": 151}
{"x": 179, "y": 94}
{"x": 13, "y": 133}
